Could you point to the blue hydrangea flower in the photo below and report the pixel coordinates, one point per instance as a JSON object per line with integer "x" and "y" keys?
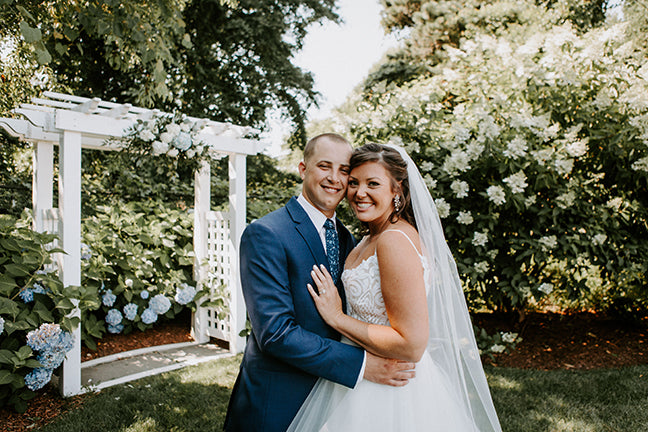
{"x": 36, "y": 379}
{"x": 144, "y": 294}
{"x": 130, "y": 311}
{"x": 185, "y": 294}
{"x": 86, "y": 252}
{"x": 182, "y": 141}
{"x": 160, "y": 304}
{"x": 114, "y": 329}
{"x": 149, "y": 316}
{"x": 50, "y": 337}
{"x": 26, "y": 295}
{"x": 113, "y": 317}
{"x": 44, "y": 337}
{"x": 51, "y": 360}
{"x": 108, "y": 299}
{"x": 2, "y": 321}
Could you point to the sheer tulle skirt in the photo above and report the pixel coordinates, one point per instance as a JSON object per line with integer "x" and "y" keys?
{"x": 427, "y": 403}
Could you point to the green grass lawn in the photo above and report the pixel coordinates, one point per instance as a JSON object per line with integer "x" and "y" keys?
{"x": 195, "y": 399}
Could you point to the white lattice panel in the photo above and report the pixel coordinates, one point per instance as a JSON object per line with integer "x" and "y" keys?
{"x": 219, "y": 247}
{"x": 51, "y": 225}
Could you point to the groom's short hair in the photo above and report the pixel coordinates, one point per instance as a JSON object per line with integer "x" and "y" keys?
{"x": 312, "y": 143}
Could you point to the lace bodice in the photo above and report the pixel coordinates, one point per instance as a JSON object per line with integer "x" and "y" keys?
{"x": 364, "y": 295}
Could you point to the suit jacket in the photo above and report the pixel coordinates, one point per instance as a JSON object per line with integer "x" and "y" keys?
{"x": 290, "y": 346}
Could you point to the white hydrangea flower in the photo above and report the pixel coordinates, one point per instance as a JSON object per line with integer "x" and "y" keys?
{"x": 615, "y": 203}
{"x": 482, "y": 267}
{"x": 158, "y": 148}
{"x": 173, "y": 152}
{"x": 641, "y": 164}
{"x": 443, "y": 208}
{"x": 564, "y": 166}
{"x": 497, "y": 348}
{"x": 566, "y": 200}
{"x": 146, "y": 135}
{"x": 548, "y": 242}
{"x": 516, "y": 148}
{"x": 475, "y": 149}
{"x": 529, "y": 201}
{"x": 577, "y": 148}
{"x": 427, "y": 166}
{"x": 496, "y": 194}
{"x": 458, "y": 161}
{"x": 599, "y": 239}
{"x": 465, "y": 217}
{"x": 173, "y": 128}
{"x": 492, "y": 253}
{"x": 546, "y": 288}
{"x": 517, "y": 182}
{"x": 166, "y": 137}
{"x": 480, "y": 238}
{"x": 508, "y": 337}
{"x": 460, "y": 188}
{"x": 429, "y": 181}
{"x": 542, "y": 156}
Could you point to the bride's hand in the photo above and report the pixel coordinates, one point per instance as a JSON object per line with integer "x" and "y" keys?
{"x": 327, "y": 300}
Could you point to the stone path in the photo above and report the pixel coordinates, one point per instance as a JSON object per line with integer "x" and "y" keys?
{"x": 131, "y": 365}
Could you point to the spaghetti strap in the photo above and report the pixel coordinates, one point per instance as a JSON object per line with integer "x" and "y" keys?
{"x": 407, "y": 237}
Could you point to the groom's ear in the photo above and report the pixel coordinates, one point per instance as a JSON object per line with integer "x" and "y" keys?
{"x": 302, "y": 169}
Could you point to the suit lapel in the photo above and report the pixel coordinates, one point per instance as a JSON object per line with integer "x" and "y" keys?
{"x": 307, "y": 230}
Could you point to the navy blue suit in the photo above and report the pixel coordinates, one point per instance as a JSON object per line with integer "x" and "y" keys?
{"x": 290, "y": 345}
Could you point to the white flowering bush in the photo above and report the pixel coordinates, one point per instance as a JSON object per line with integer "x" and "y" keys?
{"x": 535, "y": 147}
{"x": 35, "y": 333}
{"x": 139, "y": 260}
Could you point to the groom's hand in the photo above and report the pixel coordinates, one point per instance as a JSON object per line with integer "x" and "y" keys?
{"x": 391, "y": 372}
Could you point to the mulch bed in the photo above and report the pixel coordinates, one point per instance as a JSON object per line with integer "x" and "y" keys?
{"x": 549, "y": 341}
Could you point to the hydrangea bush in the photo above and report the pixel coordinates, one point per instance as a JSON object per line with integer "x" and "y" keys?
{"x": 534, "y": 144}
{"x": 35, "y": 333}
{"x": 140, "y": 261}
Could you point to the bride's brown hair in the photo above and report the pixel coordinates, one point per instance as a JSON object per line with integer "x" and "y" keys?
{"x": 392, "y": 161}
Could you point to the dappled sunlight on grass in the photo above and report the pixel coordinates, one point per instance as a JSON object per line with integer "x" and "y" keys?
{"x": 143, "y": 425}
{"x": 500, "y": 382}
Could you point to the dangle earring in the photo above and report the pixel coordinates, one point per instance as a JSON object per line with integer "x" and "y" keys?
{"x": 397, "y": 203}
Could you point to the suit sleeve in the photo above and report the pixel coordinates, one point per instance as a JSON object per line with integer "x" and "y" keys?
{"x": 266, "y": 288}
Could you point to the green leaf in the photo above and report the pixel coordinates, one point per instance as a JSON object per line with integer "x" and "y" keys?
{"x": 30, "y": 34}
{"x": 42, "y": 55}
{"x": 16, "y": 270}
{"x": 6, "y": 377}
{"x": 5, "y": 356}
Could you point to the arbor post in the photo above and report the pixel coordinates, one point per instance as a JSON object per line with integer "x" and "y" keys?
{"x": 202, "y": 205}
{"x": 237, "y": 201}
{"x": 70, "y": 234}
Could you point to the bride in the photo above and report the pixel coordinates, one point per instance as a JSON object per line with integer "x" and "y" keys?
{"x": 405, "y": 302}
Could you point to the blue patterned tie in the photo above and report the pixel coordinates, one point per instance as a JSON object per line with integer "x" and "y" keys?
{"x": 332, "y": 249}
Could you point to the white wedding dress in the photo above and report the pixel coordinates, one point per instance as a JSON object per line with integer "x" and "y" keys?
{"x": 427, "y": 403}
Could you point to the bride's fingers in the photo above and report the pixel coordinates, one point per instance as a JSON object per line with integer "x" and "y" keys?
{"x": 325, "y": 273}
{"x": 312, "y": 292}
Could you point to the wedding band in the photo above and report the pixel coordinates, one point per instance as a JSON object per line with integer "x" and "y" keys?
{"x": 323, "y": 291}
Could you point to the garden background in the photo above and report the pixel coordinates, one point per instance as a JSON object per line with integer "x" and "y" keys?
{"x": 529, "y": 121}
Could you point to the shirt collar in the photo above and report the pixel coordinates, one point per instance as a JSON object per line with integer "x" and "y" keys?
{"x": 317, "y": 217}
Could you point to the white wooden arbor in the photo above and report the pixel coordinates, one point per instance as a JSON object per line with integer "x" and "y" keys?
{"x": 74, "y": 123}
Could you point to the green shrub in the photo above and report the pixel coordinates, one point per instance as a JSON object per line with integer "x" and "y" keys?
{"x": 139, "y": 258}
{"x": 35, "y": 331}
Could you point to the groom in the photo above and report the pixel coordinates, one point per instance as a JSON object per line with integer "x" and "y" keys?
{"x": 290, "y": 346}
